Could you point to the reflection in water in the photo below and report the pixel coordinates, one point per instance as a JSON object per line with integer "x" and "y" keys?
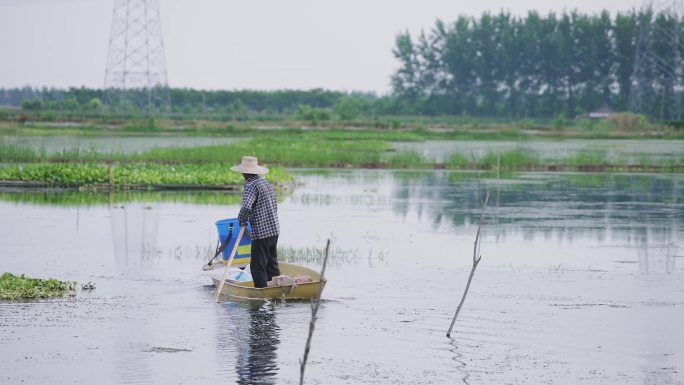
{"x": 460, "y": 365}
{"x": 257, "y": 364}
{"x": 76, "y": 198}
{"x": 640, "y": 210}
{"x": 656, "y": 253}
{"x": 255, "y": 338}
{"x": 563, "y": 201}
{"x": 134, "y": 229}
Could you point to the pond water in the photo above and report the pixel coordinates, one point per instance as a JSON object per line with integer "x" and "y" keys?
{"x": 626, "y": 150}
{"x": 581, "y": 282}
{"x": 111, "y": 144}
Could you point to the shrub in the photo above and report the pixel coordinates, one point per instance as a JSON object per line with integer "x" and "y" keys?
{"x": 627, "y": 121}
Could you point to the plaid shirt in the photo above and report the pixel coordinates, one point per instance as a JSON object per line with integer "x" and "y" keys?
{"x": 260, "y": 208}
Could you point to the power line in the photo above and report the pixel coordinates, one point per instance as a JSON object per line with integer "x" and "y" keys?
{"x": 136, "y": 63}
{"x": 657, "y": 83}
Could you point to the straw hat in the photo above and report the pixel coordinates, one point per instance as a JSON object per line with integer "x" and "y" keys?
{"x": 249, "y": 165}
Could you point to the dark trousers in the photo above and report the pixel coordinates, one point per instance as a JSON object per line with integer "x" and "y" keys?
{"x": 264, "y": 265}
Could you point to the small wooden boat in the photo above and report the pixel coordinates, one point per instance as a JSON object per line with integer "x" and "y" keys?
{"x": 246, "y": 290}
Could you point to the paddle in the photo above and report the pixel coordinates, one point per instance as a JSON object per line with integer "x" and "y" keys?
{"x": 230, "y": 261}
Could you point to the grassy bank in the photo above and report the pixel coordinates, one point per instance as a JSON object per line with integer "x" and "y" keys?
{"x": 20, "y": 287}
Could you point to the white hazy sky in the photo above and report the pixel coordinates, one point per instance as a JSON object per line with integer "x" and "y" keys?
{"x": 342, "y": 45}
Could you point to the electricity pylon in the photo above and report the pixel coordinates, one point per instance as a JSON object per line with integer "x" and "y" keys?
{"x": 136, "y": 67}
{"x": 657, "y": 86}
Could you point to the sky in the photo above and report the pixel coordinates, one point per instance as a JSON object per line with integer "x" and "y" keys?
{"x": 343, "y": 45}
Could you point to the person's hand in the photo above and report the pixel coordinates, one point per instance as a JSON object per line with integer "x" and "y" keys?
{"x": 243, "y": 223}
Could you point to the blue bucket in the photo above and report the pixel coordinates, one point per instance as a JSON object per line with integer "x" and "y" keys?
{"x": 231, "y": 227}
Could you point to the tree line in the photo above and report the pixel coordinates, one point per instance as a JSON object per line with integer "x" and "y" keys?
{"x": 178, "y": 98}
{"x": 315, "y": 105}
{"x": 536, "y": 66}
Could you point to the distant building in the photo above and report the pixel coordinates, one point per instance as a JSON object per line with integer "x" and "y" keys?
{"x": 601, "y": 113}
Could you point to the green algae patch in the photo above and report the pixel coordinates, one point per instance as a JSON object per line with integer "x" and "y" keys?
{"x": 20, "y": 287}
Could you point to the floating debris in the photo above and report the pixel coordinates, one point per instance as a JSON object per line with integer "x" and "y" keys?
{"x": 88, "y": 286}
{"x": 159, "y": 349}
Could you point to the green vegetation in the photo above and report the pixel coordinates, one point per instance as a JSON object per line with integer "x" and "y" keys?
{"x": 588, "y": 157}
{"x": 515, "y": 159}
{"x": 406, "y": 160}
{"x": 131, "y": 175}
{"x": 458, "y": 161}
{"x": 210, "y": 165}
{"x": 287, "y": 151}
{"x": 556, "y": 66}
{"x": 13, "y": 287}
{"x": 65, "y": 198}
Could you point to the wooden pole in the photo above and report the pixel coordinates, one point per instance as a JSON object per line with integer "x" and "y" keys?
{"x": 230, "y": 261}
{"x": 314, "y": 312}
{"x": 476, "y": 259}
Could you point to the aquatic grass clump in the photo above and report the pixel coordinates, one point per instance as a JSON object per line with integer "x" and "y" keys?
{"x": 19, "y": 287}
{"x": 587, "y": 158}
{"x": 315, "y": 255}
{"x": 671, "y": 164}
{"x": 457, "y": 161}
{"x": 514, "y": 159}
{"x": 286, "y": 151}
{"x": 407, "y": 160}
{"x": 68, "y": 198}
{"x": 11, "y": 152}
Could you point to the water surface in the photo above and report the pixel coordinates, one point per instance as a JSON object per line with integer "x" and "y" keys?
{"x": 111, "y": 144}
{"x": 623, "y": 150}
{"x": 581, "y": 281}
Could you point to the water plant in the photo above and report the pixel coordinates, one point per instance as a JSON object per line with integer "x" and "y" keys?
{"x": 20, "y": 287}
{"x": 458, "y": 161}
{"x": 334, "y": 148}
{"x": 131, "y": 175}
{"x": 587, "y": 158}
{"x": 407, "y": 160}
{"x": 67, "y": 198}
{"x": 285, "y": 151}
{"x": 514, "y": 159}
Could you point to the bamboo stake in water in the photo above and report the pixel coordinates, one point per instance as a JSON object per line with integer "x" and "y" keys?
{"x": 476, "y": 259}
{"x": 230, "y": 261}
{"x": 314, "y": 311}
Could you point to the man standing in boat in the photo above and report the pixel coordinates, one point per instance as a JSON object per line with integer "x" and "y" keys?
{"x": 259, "y": 207}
